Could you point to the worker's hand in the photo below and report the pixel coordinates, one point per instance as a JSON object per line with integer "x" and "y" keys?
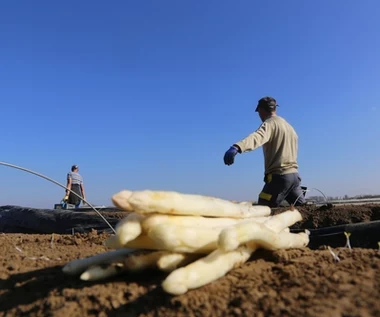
{"x": 229, "y": 156}
{"x": 66, "y": 198}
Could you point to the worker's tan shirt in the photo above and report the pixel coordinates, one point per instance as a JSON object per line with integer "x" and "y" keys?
{"x": 280, "y": 145}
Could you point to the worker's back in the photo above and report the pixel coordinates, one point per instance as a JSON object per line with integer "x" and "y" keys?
{"x": 281, "y": 150}
{"x": 76, "y": 178}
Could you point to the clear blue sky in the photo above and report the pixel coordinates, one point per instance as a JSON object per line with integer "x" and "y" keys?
{"x": 150, "y": 94}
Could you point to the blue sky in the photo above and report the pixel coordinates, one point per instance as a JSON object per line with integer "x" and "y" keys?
{"x": 150, "y": 94}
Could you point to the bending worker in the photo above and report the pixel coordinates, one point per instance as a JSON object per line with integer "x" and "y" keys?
{"x": 75, "y": 183}
{"x": 280, "y": 146}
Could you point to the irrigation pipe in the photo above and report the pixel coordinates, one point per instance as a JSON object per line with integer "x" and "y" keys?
{"x": 339, "y": 229}
{"x": 59, "y": 184}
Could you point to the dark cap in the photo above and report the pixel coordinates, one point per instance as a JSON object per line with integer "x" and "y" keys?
{"x": 74, "y": 167}
{"x": 267, "y": 103}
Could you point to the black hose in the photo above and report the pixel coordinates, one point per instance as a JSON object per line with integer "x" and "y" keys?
{"x": 363, "y": 235}
{"x": 333, "y": 230}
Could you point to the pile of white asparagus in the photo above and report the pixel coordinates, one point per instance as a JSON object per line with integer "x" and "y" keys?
{"x": 196, "y": 239}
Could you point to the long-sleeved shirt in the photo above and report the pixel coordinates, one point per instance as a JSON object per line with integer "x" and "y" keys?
{"x": 280, "y": 145}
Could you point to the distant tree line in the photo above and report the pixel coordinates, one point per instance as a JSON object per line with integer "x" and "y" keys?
{"x": 345, "y": 197}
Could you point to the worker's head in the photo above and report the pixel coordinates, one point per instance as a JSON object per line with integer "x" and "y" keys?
{"x": 74, "y": 168}
{"x": 266, "y": 107}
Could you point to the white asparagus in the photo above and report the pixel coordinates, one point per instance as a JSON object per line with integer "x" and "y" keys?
{"x": 171, "y": 261}
{"x": 153, "y": 220}
{"x": 231, "y": 238}
{"x": 174, "y": 203}
{"x": 190, "y": 221}
{"x": 254, "y": 219}
{"x": 132, "y": 263}
{"x": 80, "y": 265}
{"x": 188, "y": 239}
{"x": 129, "y": 228}
{"x": 184, "y": 239}
{"x": 121, "y": 200}
{"x": 218, "y": 263}
{"x": 143, "y": 261}
{"x": 248, "y": 203}
{"x": 141, "y": 242}
{"x": 205, "y": 270}
{"x": 96, "y": 273}
{"x": 283, "y": 220}
{"x": 113, "y": 242}
{"x": 285, "y": 240}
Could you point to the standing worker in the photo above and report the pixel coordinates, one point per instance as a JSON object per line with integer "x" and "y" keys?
{"x": 280, "y": 146}
{"x": 75, "y": 183}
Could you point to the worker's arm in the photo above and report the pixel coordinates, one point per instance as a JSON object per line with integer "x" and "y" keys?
{"x": 256, "y": 139}
{"x": 68, "y": 186}
{"x": 251, "y": 142}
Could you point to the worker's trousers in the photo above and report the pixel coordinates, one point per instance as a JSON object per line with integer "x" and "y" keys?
{"x": 74, "y": 199}
{"x": 278, "y": 188}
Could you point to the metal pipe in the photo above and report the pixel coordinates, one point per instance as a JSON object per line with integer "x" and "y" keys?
{"x": 59, "y": 184}
{"x": 307, "y": 190}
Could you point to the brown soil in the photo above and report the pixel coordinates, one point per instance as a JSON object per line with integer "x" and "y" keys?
{"x": 283, "y": 283}
{"x": 327, "y": 216}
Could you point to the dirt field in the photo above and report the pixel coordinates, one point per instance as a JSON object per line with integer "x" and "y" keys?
{"x": 305, "y": 282}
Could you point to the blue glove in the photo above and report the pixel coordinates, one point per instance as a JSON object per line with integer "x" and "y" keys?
{"x": 229, "y": 156}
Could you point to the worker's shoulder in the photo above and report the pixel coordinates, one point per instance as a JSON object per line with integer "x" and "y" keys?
{"x": 277, "y": 123}
{"x": 277, "y": 120}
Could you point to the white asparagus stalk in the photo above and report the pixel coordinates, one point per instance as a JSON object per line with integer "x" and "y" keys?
{"x": 206, "y": 270}
{"x": 184, "y": 239}
{"x": 171, "y": 261}
{"x": 96, "y": 273}
{"x": 79, "y": 266}
{"x": 189, "y": 221}
{"x": 129, "y": 228}
{"x": 151, "y": 221}
{"x": 283, "y": 220}
{"x": 113, "y": 242}
{"x": 144, "y": 261}
{"x": 254, "y": 219}
{"x": 123, "y": 203}
{"x": 248, "y": 203}
{"x": 230, "y": 238}
{"x": 141, "y": 242}
{"x": 173, "y": 203}
{"x": 132, "y": 263}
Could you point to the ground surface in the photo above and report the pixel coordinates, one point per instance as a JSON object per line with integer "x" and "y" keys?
{"x": 283, "y": 283}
